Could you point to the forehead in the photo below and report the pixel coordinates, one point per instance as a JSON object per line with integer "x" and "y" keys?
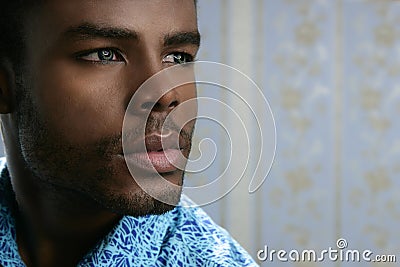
{"x": 143, "y": 16}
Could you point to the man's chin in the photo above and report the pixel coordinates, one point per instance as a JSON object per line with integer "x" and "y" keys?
{"x": 146, "y": 194}
{"x": 140, "y": 204}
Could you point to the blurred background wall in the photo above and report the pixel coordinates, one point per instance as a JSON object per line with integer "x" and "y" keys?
{"x": 331, "y": 72}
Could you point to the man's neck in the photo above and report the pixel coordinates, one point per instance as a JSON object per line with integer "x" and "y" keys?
{"x": 56, "y": 226}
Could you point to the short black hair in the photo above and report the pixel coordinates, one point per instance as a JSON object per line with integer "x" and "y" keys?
{"x": 11, "y": 29}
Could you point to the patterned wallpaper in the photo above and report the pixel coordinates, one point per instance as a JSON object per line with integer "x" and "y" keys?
{"x": 331, "y": 72}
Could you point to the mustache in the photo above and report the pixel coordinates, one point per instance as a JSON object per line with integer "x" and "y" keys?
{"x": 154, "y": 124}
{"x": 113, "y": 144}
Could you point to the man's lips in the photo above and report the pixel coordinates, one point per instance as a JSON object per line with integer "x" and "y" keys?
{"x": 161, "y": 153}
{"x": 161, "y": 162}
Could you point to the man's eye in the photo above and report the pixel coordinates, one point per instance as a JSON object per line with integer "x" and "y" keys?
{"x": 103, "y": 55}
{"x": 178, "y": 58}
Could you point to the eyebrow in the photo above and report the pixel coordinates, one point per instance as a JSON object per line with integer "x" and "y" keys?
{"x": 181, "y": 38}
{"x": 91, "y": 31}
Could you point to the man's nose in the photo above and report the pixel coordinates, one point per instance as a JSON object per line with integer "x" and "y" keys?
{"x": 162, "y": 103}
{"x": 157, "y": 92}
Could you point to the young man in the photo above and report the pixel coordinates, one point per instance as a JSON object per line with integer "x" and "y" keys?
{"x": 68, "y": 71}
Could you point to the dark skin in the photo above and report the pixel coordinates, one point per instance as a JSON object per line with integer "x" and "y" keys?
{"x": 62, "y": 127}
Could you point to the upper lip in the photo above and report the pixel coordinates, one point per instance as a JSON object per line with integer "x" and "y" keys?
{"x": 155, "y": 142}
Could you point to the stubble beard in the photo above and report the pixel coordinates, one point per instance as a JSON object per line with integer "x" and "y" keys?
{"x": 58, "y": 165}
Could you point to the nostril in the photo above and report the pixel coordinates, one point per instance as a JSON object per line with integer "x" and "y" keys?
{"x": 147, "y": 105}
{"x": 173, "y": 104}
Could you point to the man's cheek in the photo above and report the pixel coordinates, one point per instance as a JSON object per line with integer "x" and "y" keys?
{"x": 81, "y": 111}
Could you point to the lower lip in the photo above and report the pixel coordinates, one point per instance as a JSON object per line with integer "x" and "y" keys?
{"x": 162, "y": 162}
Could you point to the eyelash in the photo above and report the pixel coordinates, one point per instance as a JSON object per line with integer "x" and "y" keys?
{"x": 179, "y": 58}
{"x": 90, "y": 56}
{"x": 116, "y": 56}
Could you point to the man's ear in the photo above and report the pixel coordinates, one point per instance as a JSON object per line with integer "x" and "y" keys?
{"x": 7, "y": 85}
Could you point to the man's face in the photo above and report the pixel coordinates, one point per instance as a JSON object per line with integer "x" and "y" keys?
{"x": 85, "y": 61}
